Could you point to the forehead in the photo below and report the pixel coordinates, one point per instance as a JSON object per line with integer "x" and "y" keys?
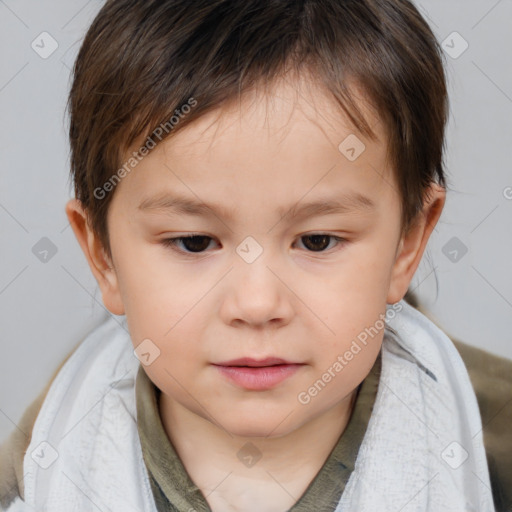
{"x": 277, "y": 145}
{"x": 291, "y": 103}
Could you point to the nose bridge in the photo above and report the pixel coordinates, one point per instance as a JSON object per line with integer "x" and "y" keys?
{"x": 255, "y": 294}
{"x": 252, "y": 274}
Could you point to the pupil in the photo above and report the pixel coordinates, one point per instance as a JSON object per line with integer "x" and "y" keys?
{"x": 196, "y": 243}
{"x": 322, "y": 240}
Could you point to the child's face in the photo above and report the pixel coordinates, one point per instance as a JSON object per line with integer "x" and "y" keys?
{"x": 302, "y": 299}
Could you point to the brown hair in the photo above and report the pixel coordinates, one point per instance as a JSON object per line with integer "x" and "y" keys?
{"x": 142, "y": 60}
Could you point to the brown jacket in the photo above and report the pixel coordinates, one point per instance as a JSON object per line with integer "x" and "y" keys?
{"x": 490, "y": 375}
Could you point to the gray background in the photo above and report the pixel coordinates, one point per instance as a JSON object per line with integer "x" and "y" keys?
{"x": 47, "y": 307}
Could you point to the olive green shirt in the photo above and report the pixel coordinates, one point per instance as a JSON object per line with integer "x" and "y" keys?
{"x": 174, "y": 490}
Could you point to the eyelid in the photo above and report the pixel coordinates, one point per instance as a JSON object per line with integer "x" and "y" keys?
{"x": 171, "y": 242}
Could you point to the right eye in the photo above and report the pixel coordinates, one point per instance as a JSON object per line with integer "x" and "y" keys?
{"x": 192, "y": 243}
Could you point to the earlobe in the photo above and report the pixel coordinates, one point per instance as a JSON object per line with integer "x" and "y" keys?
{"x": 99, "y": 263}
{"x": 412, "y": 245}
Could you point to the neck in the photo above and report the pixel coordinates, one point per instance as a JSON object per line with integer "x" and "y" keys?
{"x": 270, "y": 473}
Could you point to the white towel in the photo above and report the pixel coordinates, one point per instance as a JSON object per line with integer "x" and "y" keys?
{"x": 423, "y": 449}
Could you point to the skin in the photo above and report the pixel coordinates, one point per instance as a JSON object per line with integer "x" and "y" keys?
{"x": 294, "y": 302}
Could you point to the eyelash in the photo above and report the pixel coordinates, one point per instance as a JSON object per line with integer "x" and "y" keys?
{"x": 172, "y": 243}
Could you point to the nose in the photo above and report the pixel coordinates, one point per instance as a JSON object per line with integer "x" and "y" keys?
{"x": 255, "y": 294}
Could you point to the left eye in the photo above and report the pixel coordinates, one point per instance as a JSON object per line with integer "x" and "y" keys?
{"x": 317, "y": 242}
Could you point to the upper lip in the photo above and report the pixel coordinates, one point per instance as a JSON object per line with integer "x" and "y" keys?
{"x": 249, "y": 361}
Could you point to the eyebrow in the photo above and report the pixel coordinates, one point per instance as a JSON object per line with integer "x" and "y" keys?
{"x": 342, "y": 203}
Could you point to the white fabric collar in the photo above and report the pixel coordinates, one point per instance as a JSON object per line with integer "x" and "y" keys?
{"x": 423, "y": 449}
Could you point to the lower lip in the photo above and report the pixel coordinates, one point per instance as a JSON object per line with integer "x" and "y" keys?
{"x": 258, "y": 379}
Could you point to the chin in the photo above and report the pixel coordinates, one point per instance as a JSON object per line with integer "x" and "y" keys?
{"x": 268, "y": 427}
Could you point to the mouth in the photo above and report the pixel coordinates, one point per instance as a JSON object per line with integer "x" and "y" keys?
{"x": 255, "y": 363}
{"x": 257, "y": 375}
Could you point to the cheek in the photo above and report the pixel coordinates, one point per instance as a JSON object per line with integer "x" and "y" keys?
{"x": 177, "y": 357}
{"x": 155, "y": 293}
{"x": 352, "y": 305}
{"x": 358, "y": 283}
{"x": 165, "y": 316}
{"x": 368, "y": 272}
{"x": 163, "y": 305}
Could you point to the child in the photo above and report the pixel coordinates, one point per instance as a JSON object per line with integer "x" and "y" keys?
{"x": 276, "y": 366}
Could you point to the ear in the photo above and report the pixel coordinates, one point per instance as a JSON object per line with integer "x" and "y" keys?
{"x": 101, "y": 266}
{"x": 412, "y": 244}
